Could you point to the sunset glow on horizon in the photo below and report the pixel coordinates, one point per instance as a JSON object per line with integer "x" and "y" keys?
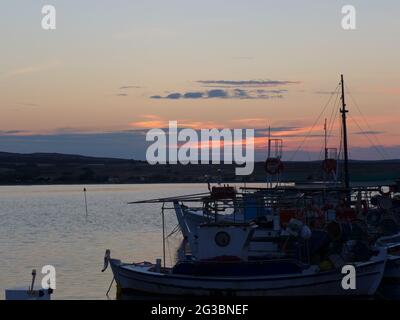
{"x": 116, "y": 67}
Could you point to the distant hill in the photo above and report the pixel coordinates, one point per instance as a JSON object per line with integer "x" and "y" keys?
{"x": 53, "y": 158}
{"x": 54, "y": 168}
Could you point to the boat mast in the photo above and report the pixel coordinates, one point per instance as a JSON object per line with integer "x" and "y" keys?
{"x": 269, "y": 142}
{"x": 269, "y": 182}
{"x": 343, "y": 111}
{"x": 325, "y": 143}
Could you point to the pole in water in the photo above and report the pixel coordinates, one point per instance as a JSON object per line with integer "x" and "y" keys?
{"x": 109, "y": 288}
{"x": 33, "y": 280}
{"x": 84, "y": 192}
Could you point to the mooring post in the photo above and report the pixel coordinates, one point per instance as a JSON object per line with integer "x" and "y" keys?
{"x": 84, "y": 192}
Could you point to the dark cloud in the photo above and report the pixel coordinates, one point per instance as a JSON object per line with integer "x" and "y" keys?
{"x": 175, "y": 95}
{"x": 283, "y": 132}
{"x": 217, "y": 93}
{"x": 240, "y": 93}
{"x": 233, "y": 89}
{"x": 193, "y": 95}
{"x": 12, "y": 132}
{"x": 246, "y": 83}
{"x": 277, "y": 129}
{"x": 236, "y": 93}
{"x": 265, "y": 131}
{"x": 276, "y": 91}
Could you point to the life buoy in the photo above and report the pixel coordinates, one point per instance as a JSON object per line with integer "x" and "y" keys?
{"x": 383, "y": 193}
{"x": 274, "y": 166}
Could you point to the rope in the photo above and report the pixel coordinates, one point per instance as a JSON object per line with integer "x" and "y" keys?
{"x": 169, "y": 252}
{"x": 314, "y": 124}
{"x": 383, "y": 151}
{"x": 174, "y": 231}
{"x": 335, "y": 115}
{"x": 109, "y": 288}
{"x": 370, "y": 141}
{"x": 330, "y": 125}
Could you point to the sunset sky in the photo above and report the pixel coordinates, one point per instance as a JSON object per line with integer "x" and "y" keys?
{"x": 114, "y": 69}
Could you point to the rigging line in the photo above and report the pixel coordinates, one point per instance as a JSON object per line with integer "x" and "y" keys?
{"x": 174, "y": 231}
{"x": 169, "y": 252}
{"x": 330, "y": 131}
{"x": 316, "y": 170}
{"x": 316, "y": 121}
{"x": 368, "y": 138}
{"x": 370, "y": 141}
{"x": 364, "y": 118}
{"x": 334, "y": 110}
{"x": 340, "y": 168}
{"x": 321, "y": 151}
{"x": 330, "y": 124}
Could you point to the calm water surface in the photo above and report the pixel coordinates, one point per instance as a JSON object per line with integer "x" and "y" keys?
{"x": 42, "y": 225}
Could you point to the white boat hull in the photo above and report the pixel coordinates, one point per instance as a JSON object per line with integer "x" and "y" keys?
{"x": 142, "y": 279}
{"x": 392, "y": 269}
{"x": 392, "y": 245}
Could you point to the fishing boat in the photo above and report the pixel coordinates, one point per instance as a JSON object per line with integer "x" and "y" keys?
{"x": 370, "y": 208}
{"x": 383, "y": 217}
{"x": 292, "y": 280}
{"x": 219, "y": 265}
{"x": 216, "y": 258}
{"x": 392, "y": 245}
{"x": 274, "y": 241}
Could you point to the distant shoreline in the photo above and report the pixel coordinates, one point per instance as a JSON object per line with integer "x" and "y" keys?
{"x": 60, "y": 169}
